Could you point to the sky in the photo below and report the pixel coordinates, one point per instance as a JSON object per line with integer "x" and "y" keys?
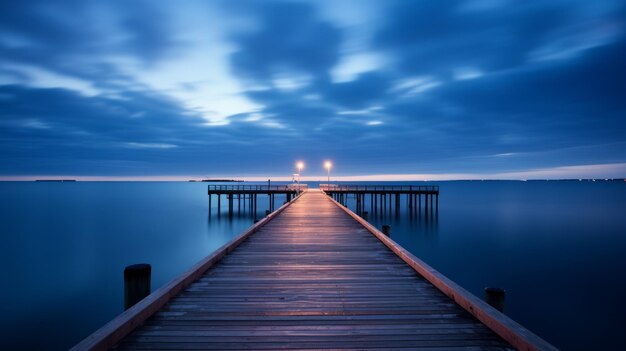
{"x": 385, "y": 89}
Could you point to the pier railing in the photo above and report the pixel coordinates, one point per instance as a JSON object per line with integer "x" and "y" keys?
{"x": 246, "y": 195}
{"x": 337, "y": 187}
{"x": 288, "y": 187}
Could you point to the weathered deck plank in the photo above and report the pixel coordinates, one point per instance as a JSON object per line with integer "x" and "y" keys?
{"x": 312, "y": 278}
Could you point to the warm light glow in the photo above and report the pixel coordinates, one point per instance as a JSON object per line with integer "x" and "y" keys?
{"x": 328, "y": 165}
{"x": 300, "y": 165}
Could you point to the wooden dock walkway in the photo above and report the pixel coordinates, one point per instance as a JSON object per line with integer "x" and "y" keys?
{"x": 311, "y": 277}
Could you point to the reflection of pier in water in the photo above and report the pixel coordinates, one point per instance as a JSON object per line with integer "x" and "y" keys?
{"x": 387, "y": 199}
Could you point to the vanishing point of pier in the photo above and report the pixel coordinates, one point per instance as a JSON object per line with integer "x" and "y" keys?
{"x": 312, "y": 275}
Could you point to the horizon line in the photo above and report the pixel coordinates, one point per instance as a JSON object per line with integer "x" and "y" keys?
{"x": 280, "y": 179}
{"x": 594, "y": 171}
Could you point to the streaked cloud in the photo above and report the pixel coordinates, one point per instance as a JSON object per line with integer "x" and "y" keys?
{"x": 134, "y": 145}
{"x": 467, "y": 73}
{"x": 415, "y": 85}
{"x": 454, "y": 87}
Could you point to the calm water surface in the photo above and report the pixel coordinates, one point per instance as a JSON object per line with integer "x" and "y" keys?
{"x": 558, "y": 248}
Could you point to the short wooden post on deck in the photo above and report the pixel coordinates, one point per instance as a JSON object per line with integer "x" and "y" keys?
{"x": 386, "y": 229}
{"x": 136, "y": 283}
{"x": 495, "y": 298}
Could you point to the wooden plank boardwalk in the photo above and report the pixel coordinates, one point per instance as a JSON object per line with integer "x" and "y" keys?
{"x": 312, "y": 277}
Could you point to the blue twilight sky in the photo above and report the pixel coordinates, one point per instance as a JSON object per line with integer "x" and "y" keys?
{"x": 408, "y": 89}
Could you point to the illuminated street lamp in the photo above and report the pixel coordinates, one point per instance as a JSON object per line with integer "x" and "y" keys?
{"x": 300, "y": 167}
{"x": 328, "y": 165}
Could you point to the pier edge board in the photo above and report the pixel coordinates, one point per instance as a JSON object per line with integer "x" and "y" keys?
{"x": 509, "y": 330}
{"x": 114, "y": 331}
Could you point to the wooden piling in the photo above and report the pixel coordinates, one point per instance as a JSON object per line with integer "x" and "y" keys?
{"x": 397, "y": 204}
{"x": 255, "y": 201}
{"x": 419, "y": 202}
{"x": 362, "y": 197}
{"x": 219, "y": 204}
{"x": 375, "y": 210}
{"x": 230, "y": 205}
{"x": 384, "y": 203}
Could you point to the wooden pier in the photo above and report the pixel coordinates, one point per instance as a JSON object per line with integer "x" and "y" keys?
{"x": 312, "y": 275}
{"x": 384, "y": 199}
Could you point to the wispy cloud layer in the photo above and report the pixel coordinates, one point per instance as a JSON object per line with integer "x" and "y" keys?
{"x": 490, "y": 88}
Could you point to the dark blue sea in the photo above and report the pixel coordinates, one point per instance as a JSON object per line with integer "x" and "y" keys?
{"x": 557, "y": 247}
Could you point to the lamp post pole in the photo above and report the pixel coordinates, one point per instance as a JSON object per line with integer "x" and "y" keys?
{"x": 300, "y": 166}
{"x": 328, "y": 166}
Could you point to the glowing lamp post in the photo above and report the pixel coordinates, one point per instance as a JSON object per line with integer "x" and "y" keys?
{"x": 300, "y": 167}
{"x": 328, "y": 166}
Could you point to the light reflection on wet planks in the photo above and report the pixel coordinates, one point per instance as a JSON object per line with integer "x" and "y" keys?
{"x": 312, "y": 278}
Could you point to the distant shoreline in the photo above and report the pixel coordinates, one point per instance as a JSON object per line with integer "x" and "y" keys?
{"x": 218, "y": 180}
{"x": 56, "y": 180}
